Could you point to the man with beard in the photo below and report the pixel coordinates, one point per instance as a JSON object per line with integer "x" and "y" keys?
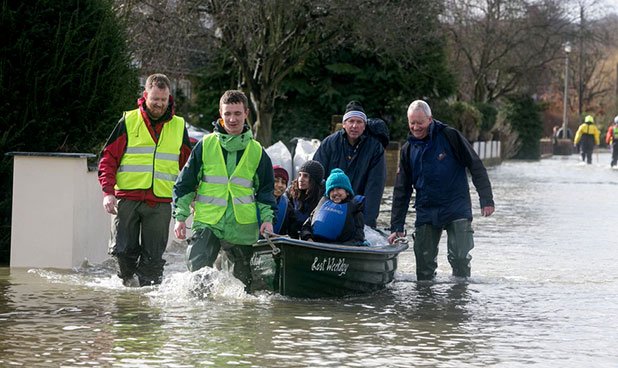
{"x": 138, "y": 168}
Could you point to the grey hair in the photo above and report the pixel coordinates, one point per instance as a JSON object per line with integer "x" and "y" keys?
{"x": 420, "y": 105}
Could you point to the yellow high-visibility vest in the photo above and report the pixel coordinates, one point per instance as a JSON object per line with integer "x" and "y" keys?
{"x": 216, "y": 187}
{"x": 147, "y": 164}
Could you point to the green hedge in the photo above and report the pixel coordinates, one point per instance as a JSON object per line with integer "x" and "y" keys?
{"x": 65, "y": 78}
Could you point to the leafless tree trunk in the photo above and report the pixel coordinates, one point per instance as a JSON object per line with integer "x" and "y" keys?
{"x": 591, "y": 76}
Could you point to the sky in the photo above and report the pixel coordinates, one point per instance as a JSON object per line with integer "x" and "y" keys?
{"x": 613, "y": 4}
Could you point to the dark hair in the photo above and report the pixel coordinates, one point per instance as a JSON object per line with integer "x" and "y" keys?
{"x": 234, "y": 96}
{"x": 308, "y": 198}
{"x": 159, "y": 80}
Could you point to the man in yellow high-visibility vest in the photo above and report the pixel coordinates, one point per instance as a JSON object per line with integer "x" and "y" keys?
{"x": 230, "y": 178}
{"x": 138, "y": 168}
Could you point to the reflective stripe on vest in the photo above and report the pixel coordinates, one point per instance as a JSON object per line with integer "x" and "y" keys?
{"x": 615, "y": 133}
{"x": 146, "y": 164}
{"x": 215, "y": 187}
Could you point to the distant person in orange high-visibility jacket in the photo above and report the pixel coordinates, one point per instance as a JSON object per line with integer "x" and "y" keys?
{"x": 611, "y": 138}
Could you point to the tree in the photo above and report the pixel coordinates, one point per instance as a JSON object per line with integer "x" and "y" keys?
{"x": 384, "y": 84}
{"x": 503, "y": 47}
{"x": 267, "y": 40}
{"x": 590, "y": 75}
{"x": 65, "y": 77}
{"x": 165, "y": 36}
{"x": 524, "y": 115}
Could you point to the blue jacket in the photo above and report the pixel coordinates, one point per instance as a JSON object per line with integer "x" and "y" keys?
{"x": 364, "y": 164}
{"x": 285, "y": 220}
{"x": 436, "y": 168}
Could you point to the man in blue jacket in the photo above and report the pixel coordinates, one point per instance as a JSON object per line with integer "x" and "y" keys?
{"x": 433, "y": 161}
{"x": 360, "y": 155}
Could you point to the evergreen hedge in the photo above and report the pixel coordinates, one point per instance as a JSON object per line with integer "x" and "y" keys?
{"x": 65, "y": 78}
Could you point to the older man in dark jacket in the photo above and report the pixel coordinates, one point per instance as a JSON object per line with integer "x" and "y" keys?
{"x": 360, "y": 155}
{"x": 434, "y": 161}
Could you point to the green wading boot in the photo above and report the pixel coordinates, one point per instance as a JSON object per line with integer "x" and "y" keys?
{"x": 203, "y": 249}
{"x": 460, "y": 242}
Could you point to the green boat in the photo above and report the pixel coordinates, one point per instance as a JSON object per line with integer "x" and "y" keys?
{"x": 305, "y": 269}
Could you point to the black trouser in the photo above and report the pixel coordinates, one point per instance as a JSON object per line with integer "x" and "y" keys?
{"x": 460, "y": 242}
{"x": 139, "y": 238}
{"x": 587, "y": 146}
{"x": 614, "y": 152}
{"x": 587, "y": 156}
{"x": 204, "y": 248}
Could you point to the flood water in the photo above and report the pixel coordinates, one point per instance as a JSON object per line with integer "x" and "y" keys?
{"x": 543, "y": 292}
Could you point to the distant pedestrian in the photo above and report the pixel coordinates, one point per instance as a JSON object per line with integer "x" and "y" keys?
{"x": 560, "y": 133}
{"x": 612, "y": 141}
{"x": 586, "y": 137}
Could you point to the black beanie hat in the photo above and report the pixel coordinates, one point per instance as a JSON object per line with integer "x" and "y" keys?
{"x": 314, "y": 169}
{"x": 354, "y": 109}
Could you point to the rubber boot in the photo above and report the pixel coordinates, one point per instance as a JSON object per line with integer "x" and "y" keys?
{"x": 126, "y": 270}
{"x": 460, "y": 242}
{"x": 426, "y": 239}
{"x": 149, "y": 271}
{"x": 241, "y": 256}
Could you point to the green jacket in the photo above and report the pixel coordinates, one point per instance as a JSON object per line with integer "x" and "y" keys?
{"x": 227, "y": 228}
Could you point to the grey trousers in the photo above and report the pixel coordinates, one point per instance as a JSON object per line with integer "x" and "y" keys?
{"x": 139, "y": 238}
{"x": 460, "y": 242}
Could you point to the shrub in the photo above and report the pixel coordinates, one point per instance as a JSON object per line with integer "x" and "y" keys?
{"x": 65, "y": 78}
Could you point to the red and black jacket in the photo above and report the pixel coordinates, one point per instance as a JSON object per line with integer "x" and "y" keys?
{"x": 116, "y": 146}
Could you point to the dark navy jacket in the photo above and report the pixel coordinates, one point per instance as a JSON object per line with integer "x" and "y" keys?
{"x": 364, "y": 164}
{"x": 436, "y": 168}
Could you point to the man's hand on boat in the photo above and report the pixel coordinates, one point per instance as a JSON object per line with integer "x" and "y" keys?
{"x": 180, "y": 229}
{"x": 394, "y": 236}
{"x": 266, "y": 229}
{"x": 110, "y": 204}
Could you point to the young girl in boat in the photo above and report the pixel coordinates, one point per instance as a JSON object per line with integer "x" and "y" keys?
{"x": 285, "y": 218}
{"x": 338, "y": 218}
{"x": 305, "y": 193}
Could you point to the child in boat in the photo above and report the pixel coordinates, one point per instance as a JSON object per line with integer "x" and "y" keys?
{"x": 338, "y": 217}
{"x": 285, "y": 218}
{"x": 305, "y": 193}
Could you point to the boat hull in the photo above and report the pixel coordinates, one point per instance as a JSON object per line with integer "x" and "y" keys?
{"x": 314, "y": 270}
